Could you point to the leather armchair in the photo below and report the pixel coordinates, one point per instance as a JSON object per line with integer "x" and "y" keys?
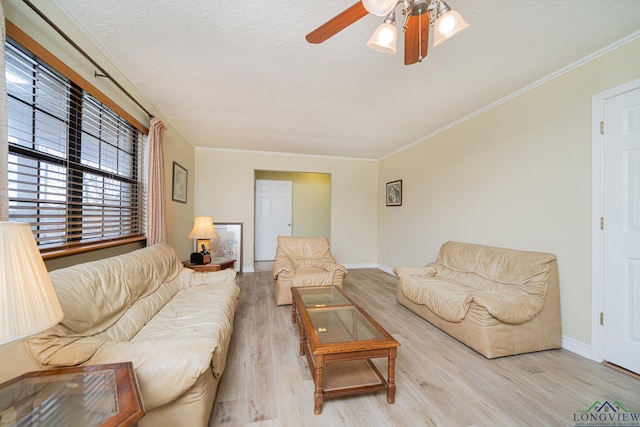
{"x": 304, "y": 261}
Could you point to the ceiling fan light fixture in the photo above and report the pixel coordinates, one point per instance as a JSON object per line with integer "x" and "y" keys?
{"x": 379, "y": 7}
{"x": 447, "y": 25}
{"x": 384, "y": 38}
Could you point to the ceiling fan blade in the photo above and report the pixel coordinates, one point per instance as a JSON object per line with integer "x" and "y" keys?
{"x": 337, "y": 23}
{"x": 416, "y": 39}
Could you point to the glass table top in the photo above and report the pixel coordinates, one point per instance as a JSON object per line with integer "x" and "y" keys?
{"x": 322, "y": 296}
{"x": 73, "y": 399}
{"x": 342, "y": 324}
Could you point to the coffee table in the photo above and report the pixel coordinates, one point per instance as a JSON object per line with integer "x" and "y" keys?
{"x": 97, "y": 395}
{"x": 339, "y": 339}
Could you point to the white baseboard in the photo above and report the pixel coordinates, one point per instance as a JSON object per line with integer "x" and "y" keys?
{"x": 386, "y": 269}
{"x": 361, "y": 265}
{"x": 577, "y": 347}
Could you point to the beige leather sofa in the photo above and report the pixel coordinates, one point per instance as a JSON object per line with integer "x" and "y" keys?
{"x": 173, "y": 324}
{"x": 304, "y": 261}
{"x": 497, "y": 301}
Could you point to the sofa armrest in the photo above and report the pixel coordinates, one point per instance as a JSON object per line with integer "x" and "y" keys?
{"x": 333, "y": 267}
{"x": 426, "y": 271}
{"x": 165, "y": 369}
{"x": 513, "y": 305}
{"x": 281, "y": 265}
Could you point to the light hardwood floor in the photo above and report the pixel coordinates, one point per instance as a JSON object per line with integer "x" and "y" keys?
{"x": 440, "y": 382}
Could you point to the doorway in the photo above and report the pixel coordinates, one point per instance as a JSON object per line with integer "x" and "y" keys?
{"x": 310, "y": 208}
{"x": 616, "y": 256}
{"x": 272, "y": 216}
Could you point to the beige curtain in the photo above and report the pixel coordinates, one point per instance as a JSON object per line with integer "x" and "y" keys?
{"x": 156, "y": 194}
{"x": 4, "y": 148}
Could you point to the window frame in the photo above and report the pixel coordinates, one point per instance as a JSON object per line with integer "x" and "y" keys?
{"x": 78, "y": 83}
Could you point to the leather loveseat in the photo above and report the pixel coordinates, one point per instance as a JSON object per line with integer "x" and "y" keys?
{"x": 497, "y": 301}
{"x": 172, "y": 323}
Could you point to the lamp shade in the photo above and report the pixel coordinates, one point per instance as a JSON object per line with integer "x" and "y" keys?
{"x": 203, "y": 228}
{"x": 28, "y": 302}
{"x": 384, "y": 38}
{"x": 379, "y": 7}
{"x": 447, "y": 26}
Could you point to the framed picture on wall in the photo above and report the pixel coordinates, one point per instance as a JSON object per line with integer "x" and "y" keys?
{"x": 229, "y": 245}
{"x": 394, "y": 193}
{"x": 179, "y": 188}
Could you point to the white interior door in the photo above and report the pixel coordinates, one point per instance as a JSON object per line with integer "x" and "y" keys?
{"x": 273, "y": 216}
{"x": 621, "y": 234}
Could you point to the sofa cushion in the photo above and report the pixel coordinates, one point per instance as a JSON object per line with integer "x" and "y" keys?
{"x": 199, "y": 312}
{"x": 311, "y": 276}
{"x": 511, "y": 304}
{"x": 308, "y": 247}
{"x": 94, "y": 295}
{"x": 446, "y": 299}
{"x": 189, "y": 335}
{"x": 106, "y": 300}
{"x": 494, "y": 264}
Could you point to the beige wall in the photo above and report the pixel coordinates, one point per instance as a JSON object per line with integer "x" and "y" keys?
{"x": 518, "y": 176}
{"x": 176, "y": 148}
{"x": 226, "y": 191}
{"x": 311, "y": 201}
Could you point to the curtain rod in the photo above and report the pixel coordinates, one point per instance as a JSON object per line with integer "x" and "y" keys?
{"x": 103, "y": 72}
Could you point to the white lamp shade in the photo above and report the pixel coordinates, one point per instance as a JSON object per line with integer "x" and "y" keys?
{"x": 203, "y": 228}
{"x": 447, "y": 26}
{"x": 28, "y": 302}
{"x": 384, "y": 38}
{"x": 379, "y": 7}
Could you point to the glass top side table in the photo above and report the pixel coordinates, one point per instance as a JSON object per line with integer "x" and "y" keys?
{"x": 98, "y": 395}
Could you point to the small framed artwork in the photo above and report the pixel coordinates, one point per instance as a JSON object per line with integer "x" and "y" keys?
{"x": 229, "y": 245}
{"x": 179, "y": 189}
{"x": 394, "y": 193}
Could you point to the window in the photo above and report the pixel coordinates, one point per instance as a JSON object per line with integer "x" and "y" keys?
{"x": 74, "y": 164}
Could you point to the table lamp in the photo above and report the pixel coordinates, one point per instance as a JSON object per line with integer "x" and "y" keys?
{"x": 28, "y": 302}
{"x": 203, "y": 232}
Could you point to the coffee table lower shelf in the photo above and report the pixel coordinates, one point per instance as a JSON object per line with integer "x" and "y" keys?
{"x": 346, "y": 374}
{"x": 346, "y": 378}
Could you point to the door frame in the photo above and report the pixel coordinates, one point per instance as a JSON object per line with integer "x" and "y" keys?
{"x": 597, "y": 247}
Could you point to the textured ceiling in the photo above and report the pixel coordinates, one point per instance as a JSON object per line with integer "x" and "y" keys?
{"x": 240, "y": 75}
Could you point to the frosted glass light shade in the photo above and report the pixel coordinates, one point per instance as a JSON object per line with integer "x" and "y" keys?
{"x": 28, "y": 302}
{"x": 379, "y": 7}
{"x": 447, "y": 26}
{"x": 384, "y": 38}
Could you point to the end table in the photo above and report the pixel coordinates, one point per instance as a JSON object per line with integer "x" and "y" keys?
{"x": 97, "y": 395}
{"x": 216, "y": 264}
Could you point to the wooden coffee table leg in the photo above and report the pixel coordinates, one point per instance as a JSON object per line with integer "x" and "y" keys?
{"x": 303, "y": 342}
{"x": 391, "y": 376}
{"x": 293, "y": 312}
{"x": 318, "y": 397}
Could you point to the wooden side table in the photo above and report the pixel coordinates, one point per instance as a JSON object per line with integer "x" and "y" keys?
{"x": 216, "y": 264}
{"x": 97, "y": 395}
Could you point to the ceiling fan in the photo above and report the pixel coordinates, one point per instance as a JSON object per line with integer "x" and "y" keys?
{"x": 419, "y": 16}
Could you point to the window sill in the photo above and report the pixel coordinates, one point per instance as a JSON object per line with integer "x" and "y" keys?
{"x": 74, "y": 250}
